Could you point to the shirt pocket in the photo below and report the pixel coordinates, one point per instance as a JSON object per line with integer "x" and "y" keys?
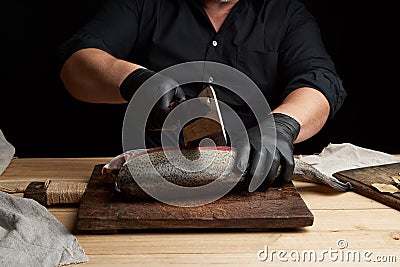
{"x": 261, "y": 67}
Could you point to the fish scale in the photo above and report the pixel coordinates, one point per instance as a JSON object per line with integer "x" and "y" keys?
{"x": 218, "y": 162}
{"x": 149, "y": 166}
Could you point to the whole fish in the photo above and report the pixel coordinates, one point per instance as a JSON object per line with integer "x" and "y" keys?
{"x": 191, "y": 168}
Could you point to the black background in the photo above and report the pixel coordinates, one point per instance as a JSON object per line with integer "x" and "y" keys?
{"x": 40, "y": 118}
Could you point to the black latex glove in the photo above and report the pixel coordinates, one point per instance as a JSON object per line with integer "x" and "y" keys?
{"x": 169, "y": 98}
{"x": 281, "y": 171}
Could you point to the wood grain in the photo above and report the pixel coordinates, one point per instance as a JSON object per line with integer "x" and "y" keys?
{"x": 278, "y": 207}
{"x": 362, "y": 178}
{"x": 363, "y": 222}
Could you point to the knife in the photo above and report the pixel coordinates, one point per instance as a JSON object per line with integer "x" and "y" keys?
{"x": 209, "y": 126}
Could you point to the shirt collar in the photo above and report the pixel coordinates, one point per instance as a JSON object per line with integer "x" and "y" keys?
{"x": 236, "y": 11}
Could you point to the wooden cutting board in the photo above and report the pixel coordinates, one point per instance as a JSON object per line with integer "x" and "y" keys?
{"x": 362, "y": 179}
{"x": 102, "y": 210}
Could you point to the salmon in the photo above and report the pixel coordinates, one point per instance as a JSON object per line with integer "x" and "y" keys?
{"x": 202, "y": 166}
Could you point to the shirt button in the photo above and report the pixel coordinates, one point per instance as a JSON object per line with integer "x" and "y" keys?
{"x": 214, "y": 43}
{"x": 211, "y": 79}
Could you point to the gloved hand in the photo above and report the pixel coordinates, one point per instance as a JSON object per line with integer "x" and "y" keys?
{"x": 261, "y": 150}
{"x": 169, "y": 98}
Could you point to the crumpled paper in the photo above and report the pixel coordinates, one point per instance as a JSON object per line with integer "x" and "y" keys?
{"x": 340, "y": 157}
{"x": 31, "y": 236}
{"x": 7, "y": 152}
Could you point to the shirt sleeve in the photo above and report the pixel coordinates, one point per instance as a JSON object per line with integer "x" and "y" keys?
{"x": 113, "y": 29}
{"x": 304, "y": 61}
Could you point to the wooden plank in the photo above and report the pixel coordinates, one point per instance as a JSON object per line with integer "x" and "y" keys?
{"x": 383, "y": 220}
{"x": 323, "y": 197}
{"x": 362, "y": 179}
{"x": 219, "y": 243}
{"x": 364, "y": 223}
{"x": 279, "y": 207}
{"x": 232, "y": 248}
{"x": 228, "y": 259}
{"x": 212, "y": 248}
{"x": 41, "y": 169}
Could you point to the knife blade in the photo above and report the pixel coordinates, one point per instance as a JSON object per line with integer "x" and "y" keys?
{"x": 209, "y": 126}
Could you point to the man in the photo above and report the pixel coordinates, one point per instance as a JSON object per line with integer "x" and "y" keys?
{"x": 276, "y": 43}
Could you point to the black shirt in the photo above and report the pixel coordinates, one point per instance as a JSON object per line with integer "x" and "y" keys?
{"x": 276, "y": 43}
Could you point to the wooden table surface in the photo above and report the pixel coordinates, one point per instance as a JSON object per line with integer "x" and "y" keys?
{"x": 366, "y": 228}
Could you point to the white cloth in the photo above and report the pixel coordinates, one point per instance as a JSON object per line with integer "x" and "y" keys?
{"x": 7, "y": 152}
{"x": 346, "y": 156}
{"x": 31, "y": 236}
